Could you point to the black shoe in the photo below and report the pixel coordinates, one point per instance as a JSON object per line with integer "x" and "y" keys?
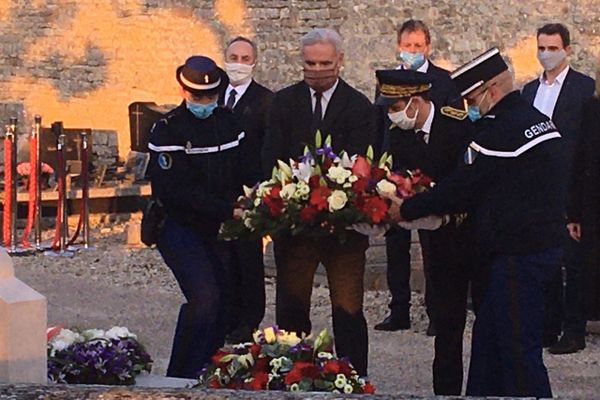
{"x": 431, "y": 331}
{"x": 392, "y": 323}
{"x": 549, "y": 340}
{"x": 241, "y": 334}
{"x": 567, "y": 345}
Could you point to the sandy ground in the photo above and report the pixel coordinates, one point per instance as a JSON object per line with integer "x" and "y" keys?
{"x": 116, "y": 285}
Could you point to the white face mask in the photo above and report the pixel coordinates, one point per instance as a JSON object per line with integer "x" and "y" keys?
{"x": 239, "y": 73}
{"x": 401, "y": 119}
{"x": 551, "y": 59}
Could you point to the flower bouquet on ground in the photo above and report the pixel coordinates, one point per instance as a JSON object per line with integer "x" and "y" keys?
{"x": 94, "y": 356}
{"x": 279, "y": 360}
{"x": 322, "y": 194}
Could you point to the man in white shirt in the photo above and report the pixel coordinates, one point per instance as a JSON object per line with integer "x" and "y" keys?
{"x": 560, "y": 93}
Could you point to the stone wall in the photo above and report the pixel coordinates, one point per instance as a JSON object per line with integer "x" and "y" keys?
{"x": 84, "y": 62}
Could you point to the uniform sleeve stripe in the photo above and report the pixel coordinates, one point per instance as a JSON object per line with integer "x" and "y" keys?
{"x": 519, "y": 151}
{"x": 198, "y": 150}
{"x": 162, "y": 149}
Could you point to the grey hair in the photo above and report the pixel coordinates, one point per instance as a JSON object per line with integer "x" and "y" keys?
{"x": 322, "y": 35}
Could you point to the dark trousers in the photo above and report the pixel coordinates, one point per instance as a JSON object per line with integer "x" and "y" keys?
{"x": 397, "y": 243}
{"x": 247, "y": 284}
{"x": 198, "y": 264}
{"x": 574, "y": 311}
{"x": 506, "y": 355}
{"x": 453, "y": 270}
{"x": 297, "y": 260}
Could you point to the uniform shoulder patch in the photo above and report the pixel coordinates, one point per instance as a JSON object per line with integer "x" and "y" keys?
{"x": 455, "y": 113}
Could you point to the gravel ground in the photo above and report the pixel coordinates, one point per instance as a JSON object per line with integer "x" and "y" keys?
{"x": 116, "y": 285}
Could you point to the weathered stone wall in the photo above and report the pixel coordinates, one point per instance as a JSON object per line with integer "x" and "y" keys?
{"x": 84, "y": 62}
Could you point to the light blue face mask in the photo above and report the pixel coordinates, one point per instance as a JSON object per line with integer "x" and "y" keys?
{"x": 474, "y": 113}
{"x": 201, "y": 111}
{"x": 411, "y": 60}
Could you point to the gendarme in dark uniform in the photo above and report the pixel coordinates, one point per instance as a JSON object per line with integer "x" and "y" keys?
{"x": 195, "y": 154}
{"x": 435, "y": 145}
{"x": 512, "y": 184}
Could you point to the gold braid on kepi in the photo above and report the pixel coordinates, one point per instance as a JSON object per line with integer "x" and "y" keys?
{"x": 390, "y": 90}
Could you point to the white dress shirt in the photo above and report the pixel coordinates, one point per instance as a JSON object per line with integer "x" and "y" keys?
{"x": 239, "y": 91}
{"x": 325, "y": 97}
{"x": 547, "y": 94}
{"x": 426, "y": 129}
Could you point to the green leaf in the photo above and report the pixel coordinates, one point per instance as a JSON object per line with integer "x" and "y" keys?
{"x": 323, "y": 342}
{"x": 318, "y": 139}
{"x": 370, "y": 153}
{"x": 305, "y": 384}
{"x": 328, "y": 140}
{"x": 383, "y": 159}
{"x": 305, "y": 151}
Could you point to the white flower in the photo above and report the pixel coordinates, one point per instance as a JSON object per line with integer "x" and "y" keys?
{"x": 117, "y": 332}
{"x": 287, "y": 192}
{"x": 348, "y": 389}
{"x": 386, "y": 187}
{"x": 264, "y": 188}
{"x": 302, "y": 191}
{"x": 337, "y": 200}
{"x": 295, "y": 387}
{"x": 348, "y": 162}
{"x": 290, "y": 339}
{"x": 91, "y": 334}
{"x": 302, "y": 171}
{"x": 325, "y": 355}
{"x": 340, "y": 381}
{"x": 64, "y": 339}
{"x": 339, "y": 174}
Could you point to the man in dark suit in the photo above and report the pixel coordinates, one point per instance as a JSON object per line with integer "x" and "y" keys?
{"x": 560, "y": 93}
{"x": 321, "y": 101}
{"x": 434, "y": 140}
{"x": 250, "y": 102}
{"x": 413, "y": 47}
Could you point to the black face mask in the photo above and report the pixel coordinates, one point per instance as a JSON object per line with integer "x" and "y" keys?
{"x": 320, "y": 80}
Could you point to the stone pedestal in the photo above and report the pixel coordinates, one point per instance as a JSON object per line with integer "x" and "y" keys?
{"x": 22, "y": 329}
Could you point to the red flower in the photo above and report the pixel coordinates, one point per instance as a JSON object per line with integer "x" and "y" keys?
{"x": 214, "y": 384}
{"x": 360, "y": 185}
{"x": 260, "y": 364}
{"x": 260, "y": 381}
{"x": 404, "y": 185}
{"x": 255, "y": 350}
{"x": 345, "y": 368}
{"x": 361, "y": 167}
{"x": 314, "y": 181}
{"x": 419, "y": 178}
{"x": 274, "y": 202}
{"x": 216, "y": 359}
{"x": 52, "y": 331}
{"x": 375, "y": 208}
{"x": 318, "y": 197}
{"x": 331, "y": 367}
{"x": 308, "y": 213}
{"x": 301, "y": 369}
{"x": 368, "y": 388}
{"x": 326, "y": 164}
{"x": 378, "y": 174}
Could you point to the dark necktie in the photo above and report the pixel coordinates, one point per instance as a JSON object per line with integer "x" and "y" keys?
{"x": 318, "y": 112}
{"x": 421, "y": 135}
{"x": 231, "y": 99}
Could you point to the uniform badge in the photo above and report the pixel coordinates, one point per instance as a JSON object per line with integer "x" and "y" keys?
{"x": 165, "y": 161}
{"x": 470, "y": 155}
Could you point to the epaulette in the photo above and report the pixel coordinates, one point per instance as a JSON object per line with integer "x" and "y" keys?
{"x": 453, "y": 112}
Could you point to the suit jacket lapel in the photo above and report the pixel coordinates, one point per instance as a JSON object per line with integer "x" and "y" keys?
{"x": 530, "y": 91}
{"x": 337, "y": 102}
{"x": 564, "y": 96}
{"x": 246, "y": 99}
